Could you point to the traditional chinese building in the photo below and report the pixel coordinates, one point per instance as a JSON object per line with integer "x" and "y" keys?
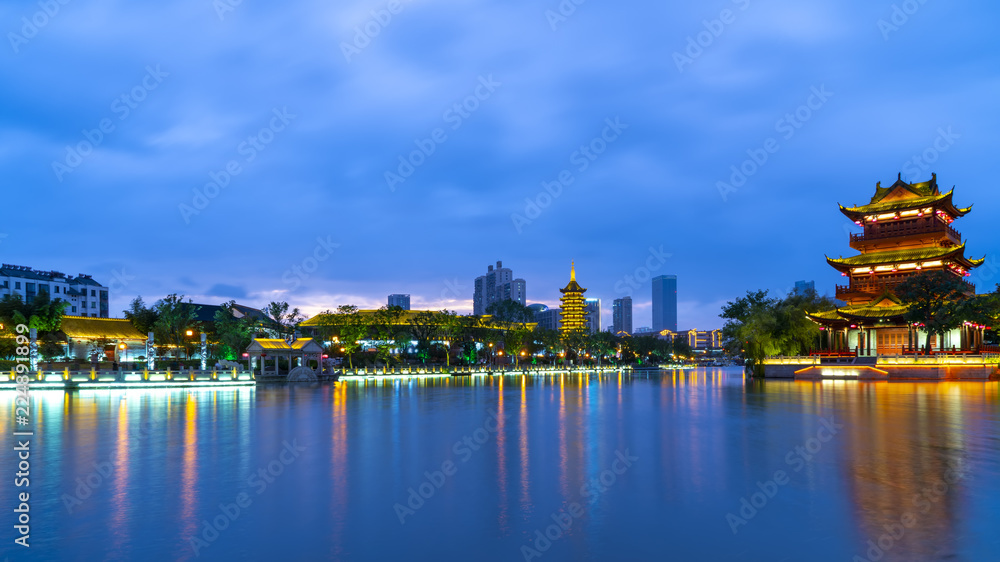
{"x": 907, "y": 229}
{"x": 573, "y": 313}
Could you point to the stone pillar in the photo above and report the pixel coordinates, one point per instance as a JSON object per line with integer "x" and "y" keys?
{"x": 33, "y": 349}
{"x": 204, "y": 352}
{"x": 150, "y": 352}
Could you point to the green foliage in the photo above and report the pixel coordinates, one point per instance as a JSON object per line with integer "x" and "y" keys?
{"x": 936, "y": 299}
{"x": 174, "y": 318}
{"x": 283, "y": 320}
{"x": 43, "y": 313}
{"x": 50, "y": 347}
{"x": 233, "y": 334}
{"x": 143, "y": 319}
{"x": 758, "y": 326}
{"x": 390, "y": 333}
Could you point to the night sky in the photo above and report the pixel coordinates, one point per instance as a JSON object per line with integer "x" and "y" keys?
{"x": 409, "y": 150}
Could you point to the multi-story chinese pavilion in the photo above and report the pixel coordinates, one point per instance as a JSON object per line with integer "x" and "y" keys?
{"x": 573, "y": 314}
{"x": 907, "y": 229}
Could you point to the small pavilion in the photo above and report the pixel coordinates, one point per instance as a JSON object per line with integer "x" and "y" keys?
{"x": 303, "y": 349}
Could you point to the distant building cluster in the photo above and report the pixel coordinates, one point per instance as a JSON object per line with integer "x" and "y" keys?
{"x": 402, "y": 301}
{"x": 497, "y": 285}
{"x": 85, "y": 296}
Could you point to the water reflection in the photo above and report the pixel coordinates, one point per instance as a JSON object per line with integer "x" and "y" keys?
{"x": 704, "y": 440}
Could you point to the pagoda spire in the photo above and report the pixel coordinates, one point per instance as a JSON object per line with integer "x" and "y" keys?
{"x": 572, "y": 271}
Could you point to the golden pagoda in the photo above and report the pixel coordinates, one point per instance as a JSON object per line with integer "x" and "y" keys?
{"x": 907, "y": 229}
{"x": 573, "y": 316}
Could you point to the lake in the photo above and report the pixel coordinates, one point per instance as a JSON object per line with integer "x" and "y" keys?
{"x": 682, "y": 465}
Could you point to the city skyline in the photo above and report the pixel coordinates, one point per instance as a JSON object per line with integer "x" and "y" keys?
{"x": 684, "y": 125}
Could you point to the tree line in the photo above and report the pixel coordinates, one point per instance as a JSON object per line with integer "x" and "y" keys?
{"x": 759, "y": 326}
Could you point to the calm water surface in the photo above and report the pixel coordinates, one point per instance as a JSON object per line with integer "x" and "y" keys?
{"x": 637, "y": 468}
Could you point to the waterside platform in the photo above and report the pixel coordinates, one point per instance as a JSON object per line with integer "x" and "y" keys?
{"x": 885, "y": 368}
{"x": 95, "y": 379}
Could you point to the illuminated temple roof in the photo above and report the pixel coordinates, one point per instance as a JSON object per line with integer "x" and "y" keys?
{"x": 573, "y": 286}
{"x": 886, "y": 306}
{"x": 81, "y": 327}
{"x": 901, "y": 196}
{"x": 956, "y": 253}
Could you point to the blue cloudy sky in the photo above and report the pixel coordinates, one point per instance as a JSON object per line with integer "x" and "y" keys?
{"x": 299, "y": 110}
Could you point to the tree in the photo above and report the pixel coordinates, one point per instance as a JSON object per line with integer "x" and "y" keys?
{"x": 284, "y": 320}
{"x": 510, "y": 319}
{"x": 457, "y": 330}
{"x": 680, "y": 347}
{"x": 797, "y": 334}
{"x": 353, "y": 327}
{"x": 234, "y": 334}
{"x": 390, "y": 332}
{"x": 142, "y": 318}
{"x": 425, "y": 326}
{"x": 751, "y": 329}
{"x": 43, "y": 313}
{"x": 935, "y": 299}
{"x": 758, "y": 326}
{"x": 601, "y": 344}
{"x": 50, "y": 347}
{"x": 174, "y": 318}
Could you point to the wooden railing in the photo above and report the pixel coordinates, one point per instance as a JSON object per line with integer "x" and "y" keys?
{"x": 877, "y": 287}
{"x": 883, "y": 231}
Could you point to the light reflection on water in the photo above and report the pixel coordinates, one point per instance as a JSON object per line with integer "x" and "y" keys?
{"x": 704, "y": 439}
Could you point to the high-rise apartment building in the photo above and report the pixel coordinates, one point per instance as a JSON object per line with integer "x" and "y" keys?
{"x": 665, "y": 303}
{"x": 593, "y": 315}
{"x": 402, "y": 301}
{"x": 498, "y": 284}
{"x": 86, "y": 297}
{"x": 621, "y": 315}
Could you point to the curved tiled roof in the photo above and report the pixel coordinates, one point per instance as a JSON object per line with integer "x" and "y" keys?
{"x": 897, "y": 256}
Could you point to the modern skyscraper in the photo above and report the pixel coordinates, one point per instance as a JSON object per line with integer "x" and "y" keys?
{"x": 665, "y": 303}
{"x": 402, "y": 301}
{"x": 801, "y": 287}
{"x": 621, "y": 315}
{"x": 593, "y": 315}
{"x": 573, "y": 315}
{"x": 498, "y": 284}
